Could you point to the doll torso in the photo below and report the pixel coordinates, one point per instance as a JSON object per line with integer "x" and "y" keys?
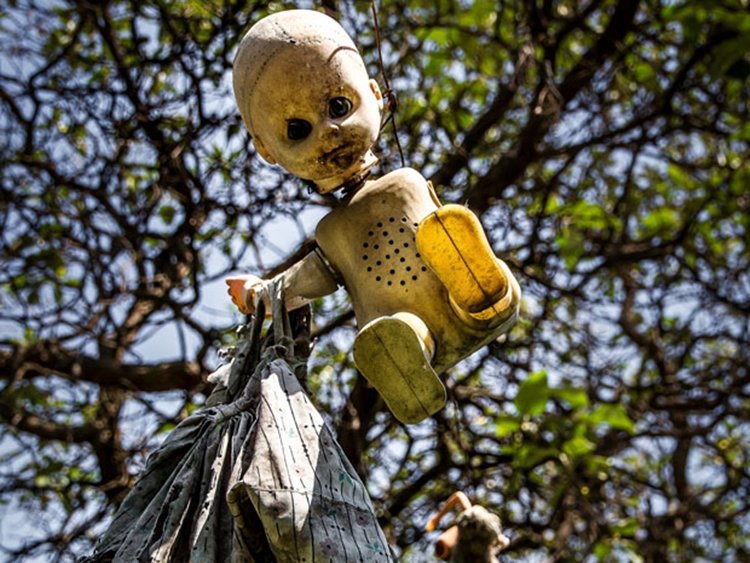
{"x": 369, "y": 239}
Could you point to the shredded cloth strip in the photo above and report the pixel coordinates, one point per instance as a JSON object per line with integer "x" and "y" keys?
{"x": 256, "y": 476}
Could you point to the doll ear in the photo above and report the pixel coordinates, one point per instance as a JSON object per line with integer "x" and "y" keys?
{"x": 378, "y": 95}
{"x": 263, "y": 151}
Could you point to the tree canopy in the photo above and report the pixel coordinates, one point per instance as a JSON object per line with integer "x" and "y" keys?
{"x": 606, "y": 145}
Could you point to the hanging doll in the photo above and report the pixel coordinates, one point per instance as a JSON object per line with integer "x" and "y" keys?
{"x": 426, "y": 288}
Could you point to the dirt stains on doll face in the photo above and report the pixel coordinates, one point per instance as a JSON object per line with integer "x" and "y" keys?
{"x": 312, "y": 109}
{"x": 317, "y": 117}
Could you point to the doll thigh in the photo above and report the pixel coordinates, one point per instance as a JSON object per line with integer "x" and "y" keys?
{"x": 453, "y": 244}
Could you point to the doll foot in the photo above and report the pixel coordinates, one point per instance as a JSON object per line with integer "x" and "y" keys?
{"x": 452, "y": 242}
{"x": 392, "y": 357}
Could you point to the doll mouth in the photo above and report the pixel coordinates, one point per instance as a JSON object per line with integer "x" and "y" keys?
{"x": 341, "y": 157}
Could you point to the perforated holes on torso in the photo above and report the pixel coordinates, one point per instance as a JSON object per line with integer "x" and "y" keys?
{"x": 390, "y": 254}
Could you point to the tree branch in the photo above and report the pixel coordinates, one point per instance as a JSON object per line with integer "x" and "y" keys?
{"x": 49, "y": 358}
{"x": 547, "y": 109}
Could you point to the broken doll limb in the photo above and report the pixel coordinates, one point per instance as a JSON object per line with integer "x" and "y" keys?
{"x": 476, "y": 537}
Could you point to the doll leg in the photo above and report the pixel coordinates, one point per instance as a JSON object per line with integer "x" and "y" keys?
{"x": 393, "y": 353}
{"x": 452, "y": 242}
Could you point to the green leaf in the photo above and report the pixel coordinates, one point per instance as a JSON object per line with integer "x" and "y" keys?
{"x": 587, "y": 215}
{"x": 613, "y": 416}
{"x": 602, "y": 550}
{"x": 579, "y": 446}
{"x": 660, "y": 222}
{"x": 680, "y": 177}
{"x": 506, "y": 425}
{"x": 529, "y": 456}
{"x": 167, "y": 426}
{"x": 570, "y": 243}
{"x": 167, "y": 213}
{"x": 533, "y": 394}
{"x": 576, "y": 398}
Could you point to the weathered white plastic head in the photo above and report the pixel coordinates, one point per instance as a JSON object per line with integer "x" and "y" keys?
{"x": 305, "y": 97}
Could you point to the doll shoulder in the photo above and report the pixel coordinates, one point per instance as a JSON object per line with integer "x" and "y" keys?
{"x": 403, "y": 183}
{"x": 403, "y": 192}
{"x": 404, "y": 177}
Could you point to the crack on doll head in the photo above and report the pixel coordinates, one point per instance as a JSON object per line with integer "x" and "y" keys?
{"x": 306, "y": 99}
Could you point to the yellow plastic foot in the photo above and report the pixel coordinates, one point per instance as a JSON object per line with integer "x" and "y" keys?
{"x": 452, "y": 242}
{"x": 390, "y": 355}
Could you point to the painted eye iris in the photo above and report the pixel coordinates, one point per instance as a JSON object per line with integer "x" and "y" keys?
{"x": 297, "y": 129}
{"x": 339, "y": 107}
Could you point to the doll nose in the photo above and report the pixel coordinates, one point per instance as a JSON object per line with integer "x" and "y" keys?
{"x": 330, "y": 132}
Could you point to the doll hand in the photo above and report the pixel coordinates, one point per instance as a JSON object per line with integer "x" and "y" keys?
{"x": 245, "y": 292}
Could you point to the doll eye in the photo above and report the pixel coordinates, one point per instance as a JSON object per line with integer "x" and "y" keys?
{"x": 297, "y": 129}
{"x": 339, "y": 107}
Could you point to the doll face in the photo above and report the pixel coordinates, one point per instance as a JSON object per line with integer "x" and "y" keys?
{"x": 316, "y": 114}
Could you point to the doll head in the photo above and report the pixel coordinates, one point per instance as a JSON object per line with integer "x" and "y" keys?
{"x": 306, "y": 99}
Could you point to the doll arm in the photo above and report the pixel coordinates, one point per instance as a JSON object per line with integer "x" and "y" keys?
{"x": 308, "y": 279}
{"x": 245, "y": 291}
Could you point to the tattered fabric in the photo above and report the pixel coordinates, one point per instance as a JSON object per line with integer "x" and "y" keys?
{"x": 257, "y": 479}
